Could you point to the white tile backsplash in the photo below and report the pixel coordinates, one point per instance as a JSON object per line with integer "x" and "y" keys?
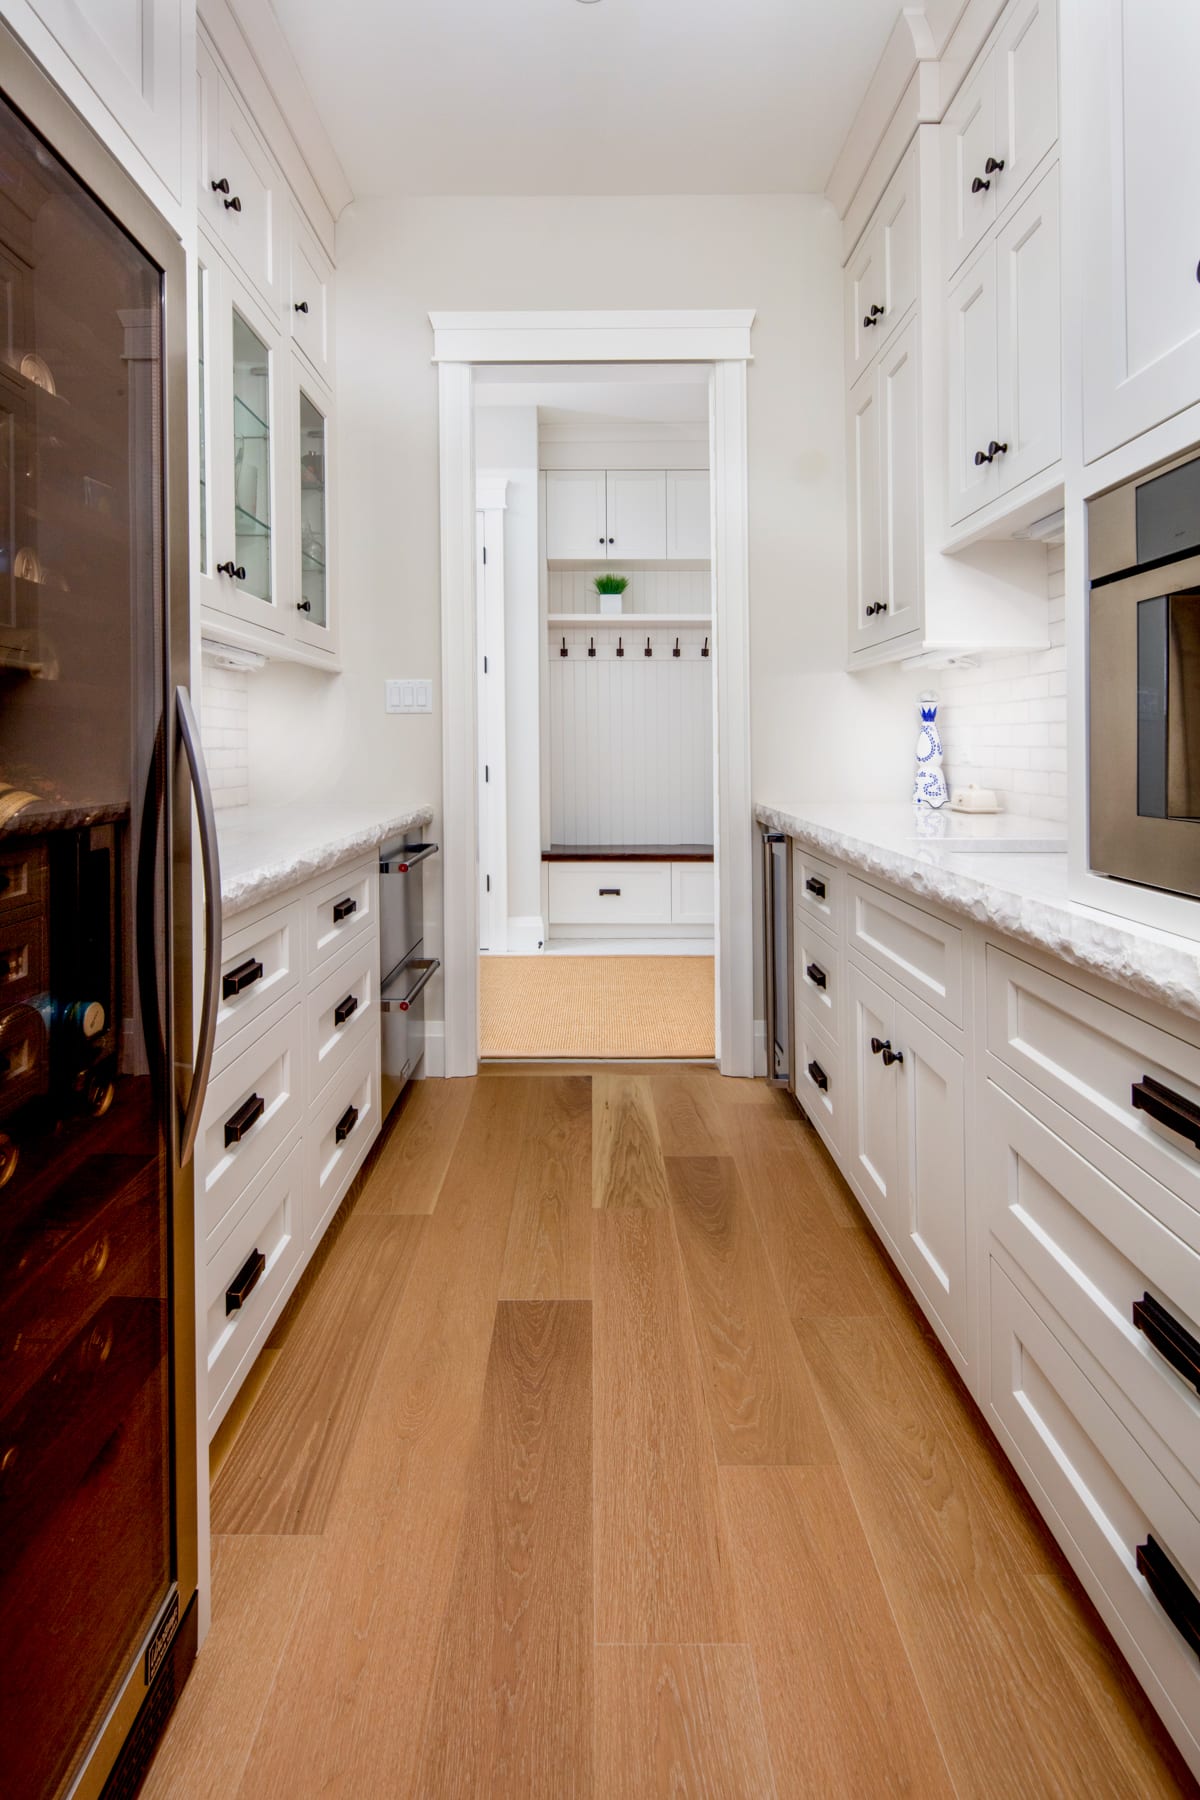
{"x": 225, "y": 732}
{"x": 1004, "y": 723}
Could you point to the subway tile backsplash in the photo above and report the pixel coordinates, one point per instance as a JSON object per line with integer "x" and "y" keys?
{"x": 225, "y": 732}
{"x": 1004, "y": 723}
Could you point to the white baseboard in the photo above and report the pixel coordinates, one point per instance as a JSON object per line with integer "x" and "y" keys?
{"x": 761, "y": 1065}
{"x": 433, "y": 1063}
{"x": 526, "y": 934}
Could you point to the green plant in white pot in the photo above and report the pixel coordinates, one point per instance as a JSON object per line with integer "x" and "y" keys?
{"x": 610, "y": 588}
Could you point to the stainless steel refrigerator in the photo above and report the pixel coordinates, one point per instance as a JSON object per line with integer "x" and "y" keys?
{"x": 100, "y": 1083}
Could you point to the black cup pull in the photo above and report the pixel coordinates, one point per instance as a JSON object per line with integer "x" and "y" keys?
{"x": 342, "y": 909}
{"x": 244, "y": 1282}
{"x": 993, "y": 165}
{"x": 345, "y": 1009}
{"x": 814, "y": 885}
{"x": 816, "y": 975}
{"x": 1170, "y": 1590}
{"x": 300, "y": 306}
{"x": 244, "y": 1119}
{"x": 239, "y": 979}
{"x": 1160, "y": 1103}
{"x": 604, "y": 891}
{"x": 345, "y": 1125}
{"x": 1172, "y": 1341}
{"x": 817, "y": 1075}
{"x": 979, "y": 185}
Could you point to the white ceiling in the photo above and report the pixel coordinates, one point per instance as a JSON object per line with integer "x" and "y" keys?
{"x": 617, "y": 97}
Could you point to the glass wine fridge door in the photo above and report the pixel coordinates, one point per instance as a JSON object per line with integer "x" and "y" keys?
{"x": 87, "y": 1558}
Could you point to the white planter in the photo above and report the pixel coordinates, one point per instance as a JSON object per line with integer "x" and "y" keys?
{"x": 611, "y": 603}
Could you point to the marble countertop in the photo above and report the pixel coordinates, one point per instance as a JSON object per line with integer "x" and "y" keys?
{"x": 1021, "y": 894}
{"x": 267, "y": 849}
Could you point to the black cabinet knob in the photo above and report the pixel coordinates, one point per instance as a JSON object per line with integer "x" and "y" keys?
{"x": 981, "y": 457}
{"x": 233, "y": 205}
{"x": 869, "y": 319}
{"x": 227, "y": 568}
{"x": 878, "y": 1044}
{"x": 612, "y": 540}
{"x": 979, "y": 185}
{"x": 993, "y": 166}
{"x": 220, "y": 187}
{"x": 995, "y": 449}
{"x": 300, "y": 306}
{"x": 879, "y": 606}
{"x": 891, "y": 1056}
{"x": 304, "y": 606}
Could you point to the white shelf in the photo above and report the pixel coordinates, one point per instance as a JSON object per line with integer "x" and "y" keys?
{"x": 624, "y": 620}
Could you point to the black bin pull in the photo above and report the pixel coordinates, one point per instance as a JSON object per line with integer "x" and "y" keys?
{"x": 244, "y": 1282}
{"x": 345, "y": 1009}
{"x": 345, "y": 1125}
{"x": 1168, "y": 1108}
{"x": 613, "y": 891}
{"x": 817, "y": 1075}
{"x": 815, "y": 886}
{"x": 343, "y": 908}
{"x": 1170, "y": 1590}
{"x": 1172, "y": 1341}
{"x": 244, "y": 1119}
{"x": 239, "y": 979}
{"x": 816, "y": 975}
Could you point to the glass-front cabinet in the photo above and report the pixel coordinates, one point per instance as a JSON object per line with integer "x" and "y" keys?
{"x": 311, "y": 477}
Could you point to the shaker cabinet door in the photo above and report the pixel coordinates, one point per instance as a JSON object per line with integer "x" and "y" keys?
{"x": 1025, "y": 65}
{"x": 867, "y": 604}
{"x": 1029, "y": 400}
{"x": 309, "y": 302}
{"x": 1141, "y": 233}
{"x": 637, "y": 514}
{"x": 931, "y": 1213}
{"x": 866, "y": 301}
{"x": 971, "y": 387}
{"x": 689, "y": 520}
{"x": 968, "y": 136}
{"x": 900, "y": 462}
{"x": 241, "y": 190}
{"x": 575, "y": 515}
{"x": 875, "y": 1147}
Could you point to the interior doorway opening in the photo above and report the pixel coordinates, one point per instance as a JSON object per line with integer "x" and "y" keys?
{"x": 596, "y": 712}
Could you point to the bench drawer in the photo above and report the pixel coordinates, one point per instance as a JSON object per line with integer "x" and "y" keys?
{"x": 617, "y": 893}
{"x": 917, "y": 949}
{"x": 271, "y": 1228}
{"x": 238, "y": 1135}
{"x": 260, "y": 963}
{"x": 1094, "y": 1060}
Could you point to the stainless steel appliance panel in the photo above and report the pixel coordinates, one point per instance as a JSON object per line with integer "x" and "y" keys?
{"x": 401, "y": 902}
{"x": 402, "y": 1006}
{"x": 777, "y": 942}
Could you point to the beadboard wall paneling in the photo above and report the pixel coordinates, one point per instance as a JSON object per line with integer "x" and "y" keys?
{"x": 649, "y": 590}
{"x": 1004, "y": 723}
{"x": 225, "y": 732}
{"x": 630, "y": 739}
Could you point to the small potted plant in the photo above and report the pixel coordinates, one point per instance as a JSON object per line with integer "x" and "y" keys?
{"x": 610, "y": 588}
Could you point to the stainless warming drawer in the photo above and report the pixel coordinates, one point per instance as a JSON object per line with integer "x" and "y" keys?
{"x": 404, "y": 969}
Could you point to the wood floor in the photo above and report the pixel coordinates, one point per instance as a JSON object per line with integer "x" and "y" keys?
{"x": 603, "y": 1455}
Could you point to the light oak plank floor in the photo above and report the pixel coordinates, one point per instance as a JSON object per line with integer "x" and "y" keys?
{"x": 632, "y": 1471}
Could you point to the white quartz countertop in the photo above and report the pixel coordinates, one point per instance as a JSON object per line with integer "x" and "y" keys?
{"x": 1021, "y": 894}
{"x": 267, "y": 849}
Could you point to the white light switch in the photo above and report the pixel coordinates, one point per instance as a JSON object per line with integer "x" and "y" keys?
{"x": 408, "y": 696}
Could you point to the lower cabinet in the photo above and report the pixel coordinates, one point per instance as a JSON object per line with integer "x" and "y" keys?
{"x": 627, "y": 894}
{"x": 292, "y": 1106}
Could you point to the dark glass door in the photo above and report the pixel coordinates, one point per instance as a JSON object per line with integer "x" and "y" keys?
{"x": 86, "y": 1551}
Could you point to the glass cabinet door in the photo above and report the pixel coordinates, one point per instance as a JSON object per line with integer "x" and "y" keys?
{"x": 251, "y": 461}
{"x": 313, "y": 601}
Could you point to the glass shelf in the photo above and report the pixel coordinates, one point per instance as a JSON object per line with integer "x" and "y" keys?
{"x": 246, "y": 525}
{"x": 246, "y": 423}
{"x": 311, "y": 565}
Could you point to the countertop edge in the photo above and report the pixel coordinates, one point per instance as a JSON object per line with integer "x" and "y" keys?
{"x": 250, "y": 888}
{"x": 1137, "y": 958}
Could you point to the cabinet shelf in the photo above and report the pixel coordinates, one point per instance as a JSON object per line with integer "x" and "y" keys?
{"x": 246, "y": 525}
{"x": 247, "y": 426}
{"x": 627, "y": 620}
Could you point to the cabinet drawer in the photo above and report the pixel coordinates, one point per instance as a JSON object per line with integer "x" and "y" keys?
{"x": 915, "y": 948}
{"x": 238, "y": 1321}
{"x": 816, "y": 889}
{"x": 343, "y": 1011}
{"x": 341, "y": 1128}
{"x": 22, "y": 880}
{"x": 817, "y": 963}
{"x": 1097, "y": 1255}
{"x": 24, "y": 969}
{"x": 1102, "y": 1495}
{"x": 617, "y": 893}
{"x": 692, "y": 894}
{"x": 1094, "y": 1060}
{"x": 819, "y": 1080}
{"x": 341, "y": 910}
{"x": 237, "y": 1138}
{"x": 259, "y": 964}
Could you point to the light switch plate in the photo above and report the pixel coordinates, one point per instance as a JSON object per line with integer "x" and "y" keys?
{"x": 408, "y": 695}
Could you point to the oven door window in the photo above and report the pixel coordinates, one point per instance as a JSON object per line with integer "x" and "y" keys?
{"x": 1168, "y": 648}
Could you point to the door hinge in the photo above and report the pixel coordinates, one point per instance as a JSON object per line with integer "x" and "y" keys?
{"x": 486, "y": 774}
{"x": 485, "y": 665}
{"x": 485, "y": 553}
{"x": 488, "y": 879}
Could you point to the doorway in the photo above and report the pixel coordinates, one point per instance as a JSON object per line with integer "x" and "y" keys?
{"x": 715, "y": 346}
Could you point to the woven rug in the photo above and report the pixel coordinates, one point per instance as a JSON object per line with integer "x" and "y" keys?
{"x": 577, "y": 1006}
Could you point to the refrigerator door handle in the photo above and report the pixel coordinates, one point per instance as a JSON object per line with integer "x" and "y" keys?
{"x": 210, "y": 862}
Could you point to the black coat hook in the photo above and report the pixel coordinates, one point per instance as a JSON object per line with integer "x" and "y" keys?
{"x": 676, "y": 650}
{"x": 648, "y": 651}
{"x": 563, "y": 651}
{"x": 591, "y": 646}
{"x": 704, "y": 652}
{"x": 620, "y": 646}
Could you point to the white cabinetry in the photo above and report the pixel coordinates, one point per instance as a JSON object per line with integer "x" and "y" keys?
{"x": 627, "y": 515}
{"x": 241, "y": 199}
{"x": 881, "y": 279}
{"x": 1140, "y": 298}
{"x": 624, "y": 896}
{"x": 885, "y": 544}
{"x": 309, "y": 304}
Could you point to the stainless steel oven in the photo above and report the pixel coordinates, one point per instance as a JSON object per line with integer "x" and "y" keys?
{"x": 1144, "y": 699}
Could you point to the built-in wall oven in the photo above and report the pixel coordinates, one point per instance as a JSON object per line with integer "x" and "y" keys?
{"x": 405, "y": 970}
{"x": 1144, "y": 697}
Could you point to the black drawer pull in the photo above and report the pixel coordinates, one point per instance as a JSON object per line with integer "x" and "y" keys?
{"x": 1170, "y": 1109}
{"x": 615, "y": 891}
{"x": 239, "y": 979}
{"x": 345, "y": 1009}
{"x": 816, "y": 975}
{"x": 345, "y": 1125}
{"x": 1169, "y": 1338}
{"x": 817, "y": 1074}
{"x": 1171, "y": 1591}
{"x": 247, "y": 1115}
{"x": 244, "y": 1282}
{"x": 815, "y": 886}
{"x": 343, "y": 908}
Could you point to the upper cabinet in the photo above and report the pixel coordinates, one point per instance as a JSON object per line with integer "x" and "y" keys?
{"x": 881, "y": 280}
{"x": 241, "y": 189}
{"x": 627, "y": 515}
{"x": 1137, "y": 67}
{"x": 1000, "y": 125}
{"x": 309, "y": 303}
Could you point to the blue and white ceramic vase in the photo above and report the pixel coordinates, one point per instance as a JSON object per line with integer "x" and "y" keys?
{"x": 929, "y": 788}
